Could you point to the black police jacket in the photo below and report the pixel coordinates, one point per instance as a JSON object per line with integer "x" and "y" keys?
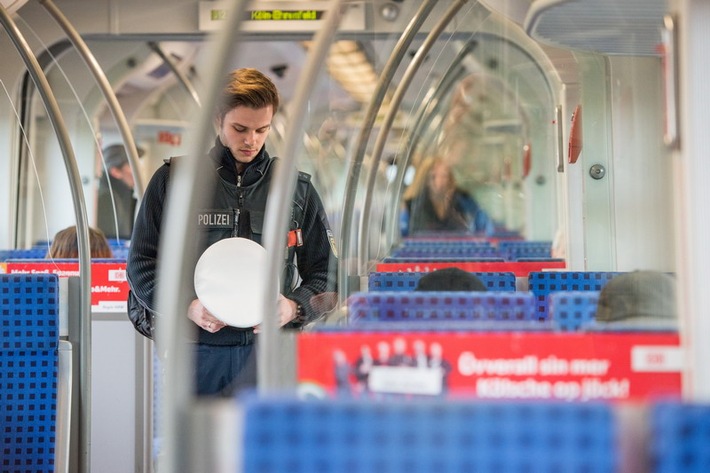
{"x": 237, "y": 209}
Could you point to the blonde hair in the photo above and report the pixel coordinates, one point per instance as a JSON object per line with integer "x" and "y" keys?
{"x": 66, "y": 244}
{"x": 421, "y": 177}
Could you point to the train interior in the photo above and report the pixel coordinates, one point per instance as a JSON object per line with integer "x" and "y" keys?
{"x": 570, "y": 126}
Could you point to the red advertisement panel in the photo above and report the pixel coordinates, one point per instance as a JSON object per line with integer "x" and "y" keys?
{"x": 109, "y": 287}
{"x": 498, "y": 365}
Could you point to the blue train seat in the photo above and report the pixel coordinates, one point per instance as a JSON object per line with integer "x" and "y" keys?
{"x": 572, "y": 310}
{"x": 444, "y": 251}
{"x": 416, "y": 437}
{"x": 407, "y": 281}
{"x": 440, "y": 306}
{"x": 29, "y": 253}
{"x": 680, "y": 437}
{"x": 542, "y": 283}
{"x": 428, "y": 242}
{"x": 514, "y": 250}
{"x": 120, "y": 252}
{"x": 442, "y": 259}
{"x": 29, "y": 325}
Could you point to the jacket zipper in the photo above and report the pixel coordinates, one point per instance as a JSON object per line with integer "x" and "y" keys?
{"x": 237, "y": 211}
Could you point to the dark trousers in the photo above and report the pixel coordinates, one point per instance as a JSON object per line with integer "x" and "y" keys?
{"x": 224, "y": 370}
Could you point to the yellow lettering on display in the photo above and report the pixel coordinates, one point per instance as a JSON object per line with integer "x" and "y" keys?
{"x": 261, "y": 15}
{"x": 218, "y": 15}
{"x": 283, "y": 15}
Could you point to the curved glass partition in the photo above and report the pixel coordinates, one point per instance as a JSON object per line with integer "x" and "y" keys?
{"x": 492, "y": 127}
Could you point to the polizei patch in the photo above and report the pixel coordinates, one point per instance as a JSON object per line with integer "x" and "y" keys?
{"x": 215, "y": 219}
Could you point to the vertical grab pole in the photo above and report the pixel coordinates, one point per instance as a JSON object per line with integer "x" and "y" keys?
{"x": 132, "y": 154}
{"x": 280, "y": 201}
{"x": 390, "y": 68}
{"x": 178, "y": 238}
{"x": 106, "y": 90}
{"x": 364, "y": 234}
{"x": 82, "y": 230}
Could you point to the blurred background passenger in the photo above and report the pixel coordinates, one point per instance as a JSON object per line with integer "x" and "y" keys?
{"x": 116, "y": 203}
{"x": 638, "y": 298}
{"x": 450, "y": 279}
{"x": 66, "y": 244}
{"x": 435, "y": 203}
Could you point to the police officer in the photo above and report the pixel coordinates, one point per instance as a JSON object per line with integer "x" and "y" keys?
{"x": 225, "y": 355}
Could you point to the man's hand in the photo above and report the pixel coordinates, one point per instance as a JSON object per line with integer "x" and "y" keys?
{"x": 286, "y": 309}
{"x": 202, "y": 318}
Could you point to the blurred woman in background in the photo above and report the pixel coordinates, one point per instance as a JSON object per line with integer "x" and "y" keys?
{"x": 435, "y": 203}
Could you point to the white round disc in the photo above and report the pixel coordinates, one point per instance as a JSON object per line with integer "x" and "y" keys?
{"x": 228, "y": 280}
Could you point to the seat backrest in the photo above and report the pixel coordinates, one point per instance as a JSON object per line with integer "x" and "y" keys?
{"x": 29, "y": 338}
{"x": 514, "y": 250}
{"x": 443, "y": 251}
{"x": 572, "y": 310}
{"x": 443, "y": 437}
{"x": 442, "y": 259}
{"x": 407, "y": 281}
{"x": 680, "y": 437}
{"x": 440, "y": 306}
{"x": 542, "y": 283}
{"x": 28, "y": 253}
{"x": 424, "y": 242}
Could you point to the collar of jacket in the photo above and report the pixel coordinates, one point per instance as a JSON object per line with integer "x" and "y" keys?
{"x": 226, "y": 166}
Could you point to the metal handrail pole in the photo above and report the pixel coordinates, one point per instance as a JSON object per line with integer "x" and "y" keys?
{"x": 186, "y": 194}
{"x": 106, "y": 90}
{"x": 82, "y": 229}
{"x": 412, "y": 69}
{"x": 181, "y": 77}
{"x": 368, "y": 122}
{"x": 280, "y": 201}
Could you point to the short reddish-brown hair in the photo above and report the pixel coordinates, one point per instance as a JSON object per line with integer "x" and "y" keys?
{"x": 247, "y": 87}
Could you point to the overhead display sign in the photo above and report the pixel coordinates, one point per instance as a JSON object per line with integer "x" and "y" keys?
{"x": 280, "y": 17}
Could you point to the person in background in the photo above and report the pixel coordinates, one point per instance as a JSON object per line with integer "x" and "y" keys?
{"x": 400, "y": 357}
{"x": 450, "y": 279}
{"x": 66, "y": 244}
{"x": 420, "y": 357}
{"x": 342, "y": 373}
{"x": 383, "y": 354}
{"x": 363, "y": 366}
{"x": 638, "y": 298}
{"x": 437, "y": 361}
{"x": 116, "y": 203}
{"x": 435, "y": 203}
{"x": 242, "y": 170}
